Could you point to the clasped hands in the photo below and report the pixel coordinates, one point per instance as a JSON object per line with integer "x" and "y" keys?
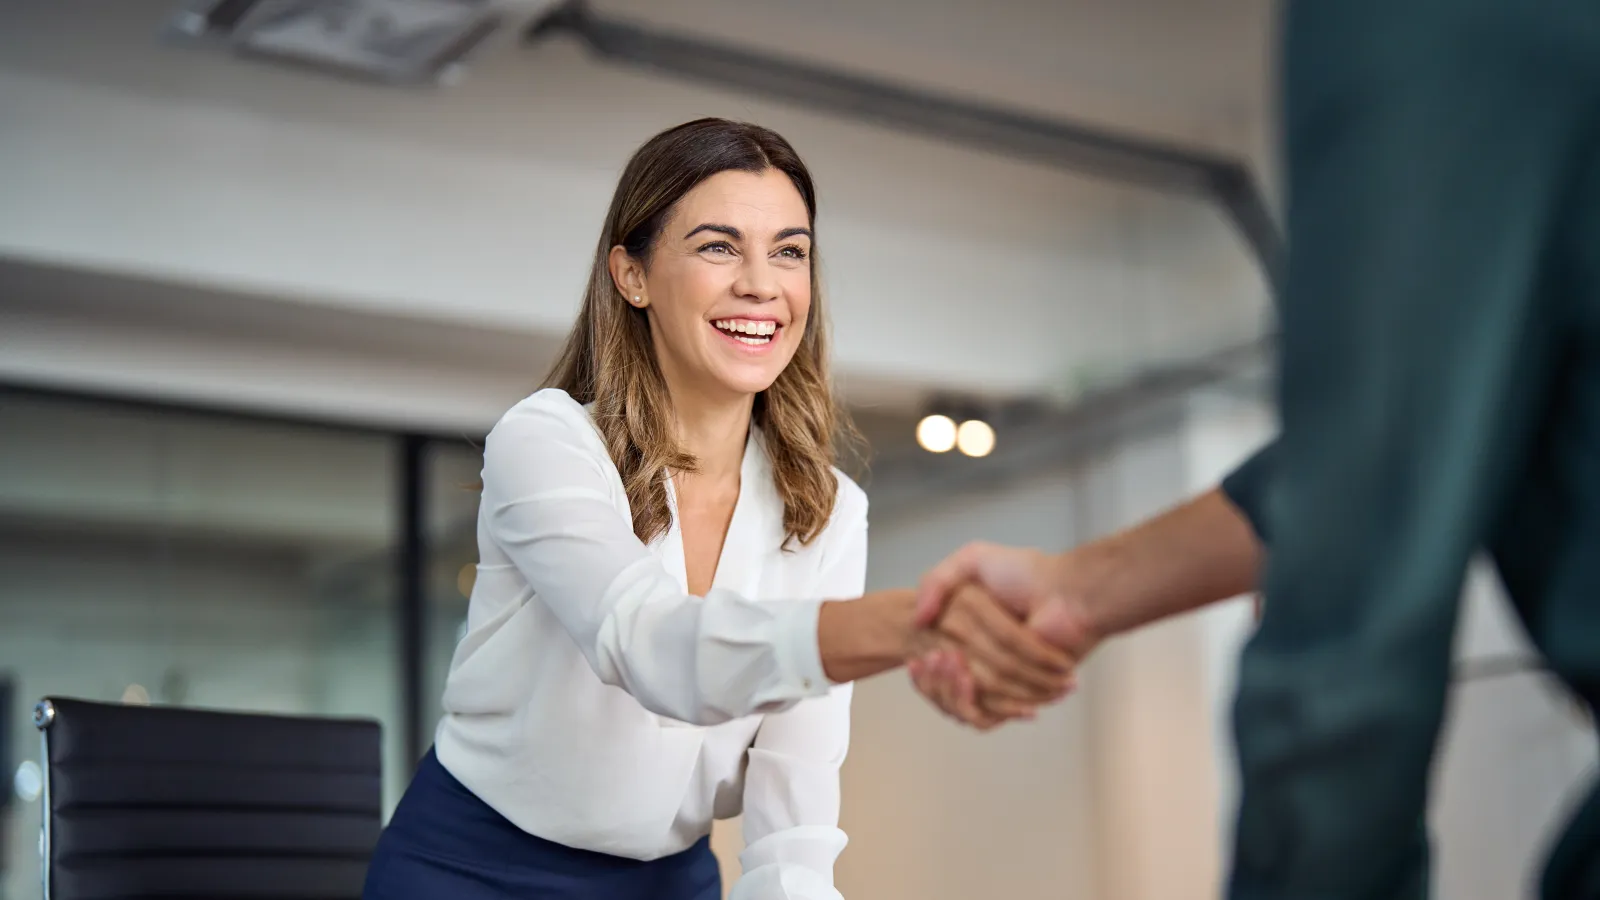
{"x": 1000, "y": 633}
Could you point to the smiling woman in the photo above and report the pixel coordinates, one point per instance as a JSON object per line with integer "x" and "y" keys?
{"x": 679, "y": 461}
{"x": 640, "y": 657}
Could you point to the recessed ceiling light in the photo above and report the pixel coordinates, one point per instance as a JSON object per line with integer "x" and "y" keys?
{"x": 975, "y": 438}
{"x": 936, "y": 433}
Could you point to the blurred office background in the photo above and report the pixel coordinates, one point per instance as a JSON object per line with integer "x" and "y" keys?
{"x": 254, "y": 318}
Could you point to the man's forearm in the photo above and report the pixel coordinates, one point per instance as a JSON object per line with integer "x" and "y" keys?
{"x": 1188, "y": 557}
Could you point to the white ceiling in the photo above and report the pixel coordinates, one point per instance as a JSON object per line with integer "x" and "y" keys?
{"x": 1194, "y": 70}
{"x": 1181, "y": 68}
{"x": 1186, "y": 70}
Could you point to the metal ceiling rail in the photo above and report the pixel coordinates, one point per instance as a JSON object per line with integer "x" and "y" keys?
{"x": 1075, "y": 146}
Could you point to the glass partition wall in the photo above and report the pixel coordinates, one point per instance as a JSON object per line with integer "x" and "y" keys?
{"x": 170, "y": 556}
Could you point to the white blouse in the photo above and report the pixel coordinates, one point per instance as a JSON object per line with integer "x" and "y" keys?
{"x": 585, "y": 658}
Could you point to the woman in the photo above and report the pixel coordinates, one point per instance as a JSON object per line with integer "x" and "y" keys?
{"x": 639, "y": 518}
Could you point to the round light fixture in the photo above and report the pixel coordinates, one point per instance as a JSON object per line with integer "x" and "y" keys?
{"x": 936, "y": 433}
{"x": 975, "y": 438}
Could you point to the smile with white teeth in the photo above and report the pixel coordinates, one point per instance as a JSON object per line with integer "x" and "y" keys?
{"x": 747, "y": 331}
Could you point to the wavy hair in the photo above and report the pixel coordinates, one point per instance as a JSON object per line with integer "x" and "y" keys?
{"x": 609, "y": 361}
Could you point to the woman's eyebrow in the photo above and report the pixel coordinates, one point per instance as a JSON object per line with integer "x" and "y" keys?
{"x": 728, "y": 230}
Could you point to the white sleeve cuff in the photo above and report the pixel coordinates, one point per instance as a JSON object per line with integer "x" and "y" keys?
{"x": 799, "y": 656}
{"x": 783, "y": 883}
{"x": 794, "y": 864}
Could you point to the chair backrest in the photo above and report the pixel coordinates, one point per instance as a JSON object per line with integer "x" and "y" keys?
{"x": 149, "y": 801}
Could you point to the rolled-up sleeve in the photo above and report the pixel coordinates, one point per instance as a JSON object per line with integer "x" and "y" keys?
{"x": 549, "y": 506}
{"x": 791, "y": 795}
{"x": 1246, "y": 488}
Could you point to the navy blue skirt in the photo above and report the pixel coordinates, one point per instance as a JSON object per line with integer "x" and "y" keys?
{"x": 443, "y": 843}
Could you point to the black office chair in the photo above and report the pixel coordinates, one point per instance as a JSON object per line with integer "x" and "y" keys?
{"x": 149, "y": 801}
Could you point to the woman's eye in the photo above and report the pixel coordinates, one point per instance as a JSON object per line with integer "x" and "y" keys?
{"x": 717, "y": 247}
{"x": 793, "y": 252}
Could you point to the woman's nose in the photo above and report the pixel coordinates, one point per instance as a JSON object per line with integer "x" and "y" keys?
{"x": 757, "y": 280}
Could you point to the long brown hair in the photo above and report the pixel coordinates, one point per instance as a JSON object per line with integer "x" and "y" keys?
{"x": 609, "y": 360}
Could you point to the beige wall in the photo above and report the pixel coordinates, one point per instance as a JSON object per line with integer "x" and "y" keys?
{"x": 1155, "y": 776}
{"x": 936, "y": 811}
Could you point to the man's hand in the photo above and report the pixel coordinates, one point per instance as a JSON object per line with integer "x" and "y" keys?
{"x": 1034, "y": 586}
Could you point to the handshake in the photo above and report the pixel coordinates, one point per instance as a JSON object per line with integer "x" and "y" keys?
{"x": 1001, "y": 631}
{"x": 991, "y": 634}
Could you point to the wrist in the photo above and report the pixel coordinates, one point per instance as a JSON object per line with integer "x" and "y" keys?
{"x": 860, "y": 638}
{"x": 1086, "y": 577}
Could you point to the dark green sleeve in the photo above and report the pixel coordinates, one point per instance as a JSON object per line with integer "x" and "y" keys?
{"x": 1246, "y": 487}
{"x": 1418, "y": 336}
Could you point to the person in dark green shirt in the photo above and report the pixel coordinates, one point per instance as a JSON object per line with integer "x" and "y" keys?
{"x": 1440, "y": 396}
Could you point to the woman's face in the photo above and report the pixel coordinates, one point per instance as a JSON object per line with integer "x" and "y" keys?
{"x": 728, "y": 288}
